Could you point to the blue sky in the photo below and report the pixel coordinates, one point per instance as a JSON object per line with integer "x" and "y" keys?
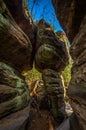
{"x": 43, "y": 9}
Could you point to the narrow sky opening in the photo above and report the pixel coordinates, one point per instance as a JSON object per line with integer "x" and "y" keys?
{"x": 43, "y": 9}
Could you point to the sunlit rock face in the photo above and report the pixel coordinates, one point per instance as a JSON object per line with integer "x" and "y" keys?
{"x": 15, "y": 45}
{"x": 51, "y": 50}
{"x": 14, "y": 93}
{"x": 70, "y": 14}
{"x": 77, "y": 87}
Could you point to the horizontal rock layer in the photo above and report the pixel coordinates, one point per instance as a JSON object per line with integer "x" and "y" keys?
{"x": 15, "y": 121}
{"x": 14, "y": 93}
{"x": 15, "y": 46}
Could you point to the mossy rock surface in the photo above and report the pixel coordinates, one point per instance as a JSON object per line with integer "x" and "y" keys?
{"x": 14, "y": 92}
{"x": 52, "y": 49}
{"x": 15, "y": 45}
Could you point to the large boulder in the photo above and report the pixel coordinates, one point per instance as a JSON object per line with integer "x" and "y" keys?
{"x": 51, "y": 51}
{"x": 14, "y": 93}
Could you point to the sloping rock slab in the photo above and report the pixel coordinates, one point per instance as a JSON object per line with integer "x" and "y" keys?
{"x": 15, "y": 121}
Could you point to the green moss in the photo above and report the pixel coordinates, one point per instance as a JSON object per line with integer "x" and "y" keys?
{"x": 2, "y": 6}
{"x": 67, "y": 73}
{"x": 32, "y": 75}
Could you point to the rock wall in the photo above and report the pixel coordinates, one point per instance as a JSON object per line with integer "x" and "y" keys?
{"x": 16, "y": 50}
{"x": 14, "y": 92}
{"x": 15, "y": 45}
{"x": 72, "y": 15}
{"x": 77, "y": 87}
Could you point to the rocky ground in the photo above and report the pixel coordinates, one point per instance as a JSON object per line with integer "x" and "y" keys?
{"x": 40, "y": 120}
{"x": 43, "y": 120}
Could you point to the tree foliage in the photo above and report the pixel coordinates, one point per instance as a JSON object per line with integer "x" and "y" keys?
{"x": 36, "y": 75}
{"x": 67, "y": 73}
{"x": 32, "y": 75}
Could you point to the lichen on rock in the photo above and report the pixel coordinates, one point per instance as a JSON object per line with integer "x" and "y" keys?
{"x": 14, "y": 92}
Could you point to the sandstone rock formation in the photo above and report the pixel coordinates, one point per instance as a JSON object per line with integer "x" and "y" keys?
{"x": 77, "y": 87}
{"x": 19, "y": 46}
{"x": 15, "y": 46}
{"x": 17, "y": 11}
{"x": 51, "y": 51}
{"x": 14, "y": 93}
{"x": 55, "y": 93}
{"x": 15, "y": 121}
{"x": 72, "y": 15}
